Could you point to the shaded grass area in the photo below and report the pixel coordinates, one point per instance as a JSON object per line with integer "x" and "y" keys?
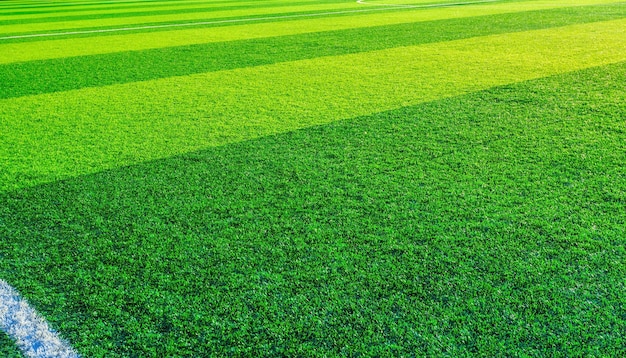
{"x": 35, "y": 77}
{"x": 8, "y": 349}
{"x": 490, "y": 224}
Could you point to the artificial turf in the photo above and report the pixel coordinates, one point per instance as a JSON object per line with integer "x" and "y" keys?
{"x": 46, "y": 76}
{"x": 434, "y": 182}
{"x": 86, "y": 130}
{"x": 59, "y": 46}
{"x": 8, "y": 349}
{"x": 251, "y": 12}
{"x": 490, "y": 223}
{"x": 12, "y": 19}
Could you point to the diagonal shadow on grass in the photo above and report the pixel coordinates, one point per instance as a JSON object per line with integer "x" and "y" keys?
{"x": 490, "y": 223}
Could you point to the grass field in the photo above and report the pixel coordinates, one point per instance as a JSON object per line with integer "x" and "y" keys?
{"x": 316, "y": 178}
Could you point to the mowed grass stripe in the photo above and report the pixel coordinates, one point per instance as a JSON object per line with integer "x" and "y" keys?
{"x": 167, "y": 18}
{"x": 41, "y": 26}
{"x": 53, "y": 136}
{"x": 144, "y": 11}
{"x": 488, "y": 224}
{"x": 38, "y": 77}
{"x": 32, "y": 49}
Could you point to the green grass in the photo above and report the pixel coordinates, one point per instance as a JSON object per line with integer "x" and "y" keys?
{"x": 433, "y": 182}
{"x": 120, "y": 13}
{"x": 116, "y": 9}
{"x": 218, "y": 14}
{"x": 491, "y": 223}
{"x": 37, "y": 49}
{"x": 8, "y": 348}
{"x": 104, "y": 8}
{"x": 35, "y": 77}
{"x": 54, "y": 136}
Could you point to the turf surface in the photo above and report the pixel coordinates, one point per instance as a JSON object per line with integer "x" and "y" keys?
{"x": 35, "y": 77}
{"x": 253, "y": 11}
{"x": 77, "y": 132}
{"x": 487, "y": 223}
{"x": 8, "y": 348}
{"x": 435, "y": 182}
{"x": 14, "y": 50}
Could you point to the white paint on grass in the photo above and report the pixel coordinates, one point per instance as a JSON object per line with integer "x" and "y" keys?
{"x": 30, "y": 331}
{"x": 22, "y": 323}
{"x": 378, "y": 7}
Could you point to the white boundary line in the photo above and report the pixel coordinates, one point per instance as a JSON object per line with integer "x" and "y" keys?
{"x": 21, "y": 322}
{"x": 29, "y": 330}
{"x": 381, "y": 7}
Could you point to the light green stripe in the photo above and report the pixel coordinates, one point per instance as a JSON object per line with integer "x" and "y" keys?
{"x": 134, "y": 20}
{"x": 50, "y": 49}
{"x": 52, "y": 136}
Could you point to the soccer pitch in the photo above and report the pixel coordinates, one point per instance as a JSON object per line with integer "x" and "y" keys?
{"x": 315, "y": 178}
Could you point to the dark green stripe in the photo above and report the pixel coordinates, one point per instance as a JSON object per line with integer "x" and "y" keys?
{"x": 37, "y": 77}
{"x": 493, "y": 222}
